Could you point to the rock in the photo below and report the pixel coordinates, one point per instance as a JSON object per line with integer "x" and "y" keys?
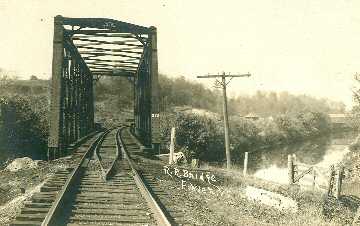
{"x": 268, "y": 198}
{"x": 178, "y": 157}
{"x": 21, "y": 163}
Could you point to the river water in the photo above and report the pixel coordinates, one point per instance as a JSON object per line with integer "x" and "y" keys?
{"x": 271, "y": 164}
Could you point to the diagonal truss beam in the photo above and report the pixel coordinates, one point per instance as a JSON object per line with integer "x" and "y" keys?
{"x": 88, "y": 48}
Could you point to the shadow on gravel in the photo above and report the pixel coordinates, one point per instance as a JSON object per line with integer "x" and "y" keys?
{"x": 342, "y": 210}
{"x": 148, "y": 155}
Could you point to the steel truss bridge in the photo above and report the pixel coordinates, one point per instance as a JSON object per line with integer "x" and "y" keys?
{"x": 84, "y": 49}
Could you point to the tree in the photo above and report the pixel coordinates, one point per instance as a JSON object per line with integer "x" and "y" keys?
{"x": 356, "y": 90}
{"x": 22, "y": 127}
{"x": 33, "y": 77}
{"x": 6, "y": 79}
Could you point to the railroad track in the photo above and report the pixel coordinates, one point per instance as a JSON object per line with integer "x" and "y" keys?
{"x": 35, "y": 211}
{"x": 104, "y": 189}
{"x": 175, "y": 213}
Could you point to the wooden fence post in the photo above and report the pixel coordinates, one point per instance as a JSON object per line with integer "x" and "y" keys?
{"x": 331, "y": 180}
{"x": 340, "y": 172}
{"x": 195, "y": 163}
{"x": 246, "y": 159}
{"x": 314, "y": 177}
{"x": 172, "y": 146}
{"x": 290, "y": 169}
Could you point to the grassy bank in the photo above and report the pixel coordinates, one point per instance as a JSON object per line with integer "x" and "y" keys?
{"x": 352, "y": 169}
{"x": 229, "y": 204}
{"x": 202, "y": 135}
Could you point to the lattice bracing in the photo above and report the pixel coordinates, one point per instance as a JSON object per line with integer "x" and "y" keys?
{"x": 89, "y": 48}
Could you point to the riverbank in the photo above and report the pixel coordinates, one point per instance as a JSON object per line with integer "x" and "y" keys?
{"x": 229, "y": 202}
{"x": 311, "y": 204}
{"x": 351, "y": 163}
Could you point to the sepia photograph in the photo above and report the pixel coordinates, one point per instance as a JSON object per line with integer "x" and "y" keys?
{"x": 179, "y": 112}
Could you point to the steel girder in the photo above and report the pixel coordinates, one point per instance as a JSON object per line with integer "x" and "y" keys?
{"x": 88, "y": 48}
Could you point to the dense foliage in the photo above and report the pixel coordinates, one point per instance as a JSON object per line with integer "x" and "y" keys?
{"x": 203, "y": 137}
{"x": 179, "y": 92}
{"x": 118, "y": 89}
{"x": 117, "y": 93}
{"x": 21, "y": 127}
{"x": 356, "y": 97}
{"x": 294, "y": 117}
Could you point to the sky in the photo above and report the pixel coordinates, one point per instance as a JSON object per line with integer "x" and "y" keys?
{"x": 303, "y": 47}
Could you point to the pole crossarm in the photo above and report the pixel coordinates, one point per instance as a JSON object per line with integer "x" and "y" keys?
{"x": 223, "y": 84}
{"x": 221, "y": 76}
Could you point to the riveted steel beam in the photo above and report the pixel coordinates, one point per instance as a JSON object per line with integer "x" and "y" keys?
{"x": 100, "y": 47}
{"x": 104, "y": 23}
{"x": 55, "y": 133}
{"x": 101, "y": 42}
{"x": 108, "y": 54}
{"x": 154, "y": 90}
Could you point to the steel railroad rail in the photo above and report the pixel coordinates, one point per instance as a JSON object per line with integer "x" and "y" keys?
{"x": 41, "y": 204}
{"x": 107, "y": 155}
{"x": 174, "y": 211}
{"x": 160, "y": 215}
{"x": 103, "y": 189}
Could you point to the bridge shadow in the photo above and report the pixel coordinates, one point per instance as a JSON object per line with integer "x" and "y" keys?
{"x": 148, "y": 155}
{"x": 145, "y": 153}
{"x": 350, "y": 201}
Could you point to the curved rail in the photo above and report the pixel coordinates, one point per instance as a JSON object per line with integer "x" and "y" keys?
{"x": 83, "y": 185}
{"x": 106, "y": 173}
{"x": 55, "y": 211}
{"x": 159, "y": 214}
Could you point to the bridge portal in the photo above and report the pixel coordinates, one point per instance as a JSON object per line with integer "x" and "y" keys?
{"x": 85, "y": 49}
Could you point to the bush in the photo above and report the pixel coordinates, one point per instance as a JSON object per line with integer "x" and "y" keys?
{"x": 269, "y": 134}
{"x": 167, "y": 121}
{"x": 192, "y": 134}
{"x": 244, "y": 136}
{"x": 197, "y": 136}
{"x": 203, "y": 137}
{"x": 355, "y": 146}
{"x": 292, "y": 129}
{"x": 21, "y": 127}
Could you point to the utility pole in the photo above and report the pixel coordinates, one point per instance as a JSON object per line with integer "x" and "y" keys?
{"x": 222, "y": 84}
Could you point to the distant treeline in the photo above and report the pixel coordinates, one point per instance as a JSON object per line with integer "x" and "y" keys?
{"x": 178, "y": 92}
{"x": 25, "y": 106}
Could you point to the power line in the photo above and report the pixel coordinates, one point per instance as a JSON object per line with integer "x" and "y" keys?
{"x": 223, "y": 84}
